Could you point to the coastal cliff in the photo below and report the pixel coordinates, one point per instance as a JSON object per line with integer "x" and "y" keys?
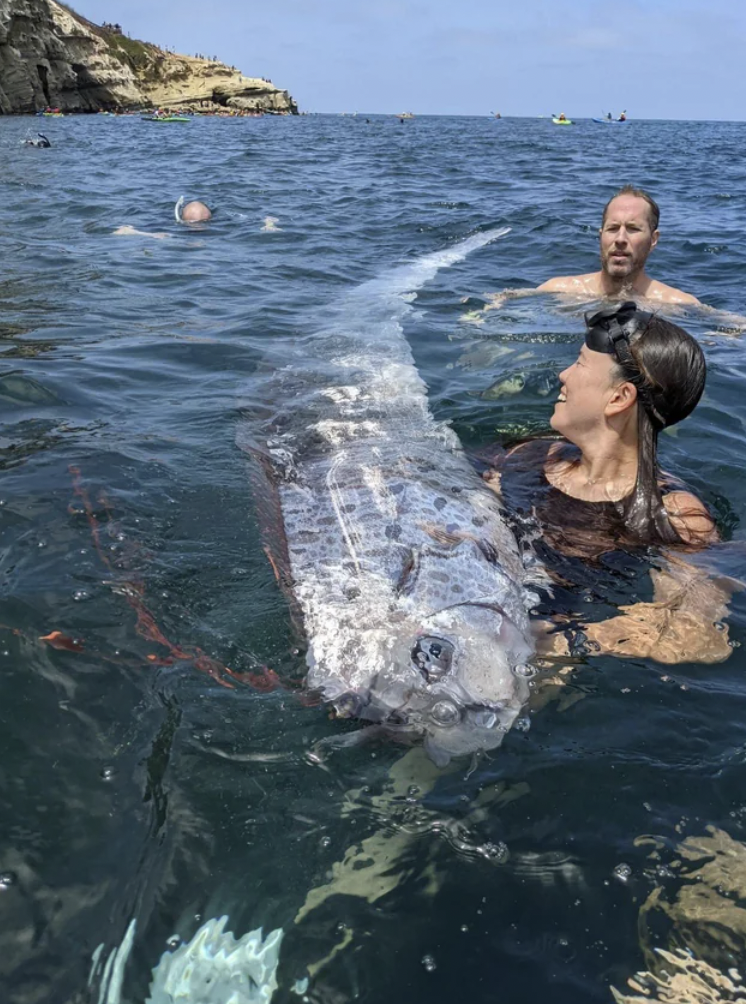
{"x": 52, "y": 56}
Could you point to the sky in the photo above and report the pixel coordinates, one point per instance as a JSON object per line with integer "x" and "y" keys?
{"x": 659, "y": 59}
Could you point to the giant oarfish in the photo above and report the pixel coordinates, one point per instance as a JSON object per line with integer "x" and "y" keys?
{"x": 410, "y": 584}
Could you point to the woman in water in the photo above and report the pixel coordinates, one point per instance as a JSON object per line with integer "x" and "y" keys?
{"x": 600, "y": 501}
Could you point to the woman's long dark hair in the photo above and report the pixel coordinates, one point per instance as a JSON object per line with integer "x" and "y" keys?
{"x": 667, "y": 366}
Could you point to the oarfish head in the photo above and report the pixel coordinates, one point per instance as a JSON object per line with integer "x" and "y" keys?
{"x": 453, "y": 659}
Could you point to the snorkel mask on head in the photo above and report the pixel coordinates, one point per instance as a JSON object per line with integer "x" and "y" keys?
{"x": 609, "y": 330}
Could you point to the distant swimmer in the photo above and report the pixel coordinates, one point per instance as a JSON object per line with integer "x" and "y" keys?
{"x": 40, "y": 141}
{"x": 185, "y": 212}
{"x": 191, "y": 212}
{"x": 269, "y": 224}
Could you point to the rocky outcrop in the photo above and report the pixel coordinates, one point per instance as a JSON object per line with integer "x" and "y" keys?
{"x": 50, "y": 55}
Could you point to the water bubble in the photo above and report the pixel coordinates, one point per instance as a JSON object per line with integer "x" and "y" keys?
{"x": 525, "y": 669}
{"x": 80, "y": 595}
{"x": 173, "y": 942}
{"x": 325, "y": 842}
{"x": 42, "y": 543}
{"x": 494, "y": 852}
{"x": 623, "y": 872}
{"x": 108, "y": 773}
{"x": 464, "y": 928}
{"x": 7, "y": 879}
{"x": 522, "y": 724}
{"x": 663, "y": 872}
{"x": 429, "y": 963}
{"x": 413, "y": 791}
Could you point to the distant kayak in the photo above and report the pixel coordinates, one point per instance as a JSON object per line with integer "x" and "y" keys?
{"x": 611, "y": 121}
{"x": 562, "y": 121}
{"x": 165, "y": 118}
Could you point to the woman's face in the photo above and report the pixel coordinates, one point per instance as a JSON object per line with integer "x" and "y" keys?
{"x": 586, "y": 388}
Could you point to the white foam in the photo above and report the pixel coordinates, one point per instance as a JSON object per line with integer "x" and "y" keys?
{"x": 212, "y": 968}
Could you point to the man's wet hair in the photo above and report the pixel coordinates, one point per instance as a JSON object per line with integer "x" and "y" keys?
{"x": 639, "y": 193}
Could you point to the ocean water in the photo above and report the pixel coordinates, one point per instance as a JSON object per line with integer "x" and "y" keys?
{"x": 155, "y": 752}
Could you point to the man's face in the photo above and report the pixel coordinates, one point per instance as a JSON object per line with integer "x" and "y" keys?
{"x": 626, "y": 237}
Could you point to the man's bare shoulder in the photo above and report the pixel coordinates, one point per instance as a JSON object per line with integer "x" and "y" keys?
{"x": 662, "y": 293}
{"x": 588, "y": 283}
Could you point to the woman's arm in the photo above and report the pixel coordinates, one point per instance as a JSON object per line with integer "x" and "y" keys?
{"x": 685, "y": 621}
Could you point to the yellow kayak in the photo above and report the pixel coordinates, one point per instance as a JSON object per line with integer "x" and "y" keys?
{"x": 562, "y": 121}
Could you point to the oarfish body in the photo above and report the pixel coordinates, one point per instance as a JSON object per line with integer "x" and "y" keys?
{"x": 410, "y": 583}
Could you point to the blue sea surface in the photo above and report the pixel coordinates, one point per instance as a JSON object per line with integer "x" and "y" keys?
{"x": 155, "y": 750}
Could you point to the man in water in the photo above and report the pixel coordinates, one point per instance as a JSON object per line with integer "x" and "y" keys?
{"x": 40, "y": 141}
{"x": 629, "y": 232}
{"x": 191, "y": 212}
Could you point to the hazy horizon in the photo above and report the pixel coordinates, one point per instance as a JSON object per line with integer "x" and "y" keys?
{"x": 655, "y": 59}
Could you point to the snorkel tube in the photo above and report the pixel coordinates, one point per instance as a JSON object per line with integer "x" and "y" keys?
{"x": 177, "y": 209}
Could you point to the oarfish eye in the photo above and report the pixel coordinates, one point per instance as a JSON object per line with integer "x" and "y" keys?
{"x": 445, "y": 713}
{"x": 433, "y": 657}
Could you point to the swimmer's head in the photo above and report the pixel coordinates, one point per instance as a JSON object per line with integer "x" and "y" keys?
{"x": 191, "y": 212}
{"x": 661, "y": 360}
{"x": 195, "y": 212}
{"x": 636, "y": 374}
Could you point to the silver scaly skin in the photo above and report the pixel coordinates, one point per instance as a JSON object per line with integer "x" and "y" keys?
{"x": 410, "y": 583}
